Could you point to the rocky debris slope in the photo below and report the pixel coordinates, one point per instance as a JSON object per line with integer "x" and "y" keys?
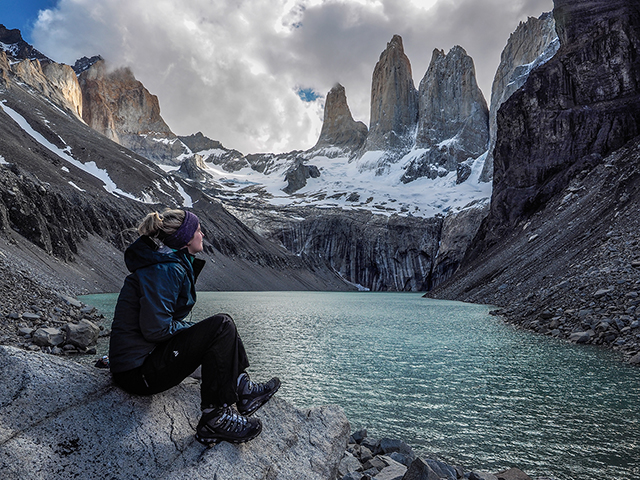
{"x": 37, "y": 318}
{"x": 572, "y": 270}
{"x": 453, "y": 118}
{"x": 533, "y": 43}
{"x": 558, "y": 251}
{"x": 95, "y": 430}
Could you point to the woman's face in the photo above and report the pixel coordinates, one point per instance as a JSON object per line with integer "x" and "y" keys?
{"x": 195, "y": 244}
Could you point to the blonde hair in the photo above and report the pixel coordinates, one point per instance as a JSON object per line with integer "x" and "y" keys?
{"x": 157, "y": 225}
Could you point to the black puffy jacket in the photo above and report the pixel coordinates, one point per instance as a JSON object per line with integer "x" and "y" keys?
{"x": 154, "y": 301}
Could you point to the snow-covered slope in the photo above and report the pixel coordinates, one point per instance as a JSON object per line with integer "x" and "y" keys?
{"x": 347, "y": 184}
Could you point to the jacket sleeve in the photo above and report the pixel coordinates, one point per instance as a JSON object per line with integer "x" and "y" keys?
{"x": 160, "y": 286}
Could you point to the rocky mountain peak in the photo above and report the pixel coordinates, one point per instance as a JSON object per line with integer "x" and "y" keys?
{"x": 533, "y": 43}
{"x": 198, "y": 142}
{"x": 453, "y": 116}
{"x": 394, "y": 100}
{"x": 84, "y": 63}
{"x": 116, "y": 103}
{"x": 339, "y": 129}
{"x": 119, "y": 106}
{"x": 11, "y": 41}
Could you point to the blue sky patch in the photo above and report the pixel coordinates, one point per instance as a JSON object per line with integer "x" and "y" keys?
{"x": 307, "y": 94}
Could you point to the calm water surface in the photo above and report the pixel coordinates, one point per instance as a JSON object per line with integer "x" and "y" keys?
{"x": 450, "y": 380}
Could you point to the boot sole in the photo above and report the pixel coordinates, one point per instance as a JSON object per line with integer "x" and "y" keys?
{"x": 211, "y": 441}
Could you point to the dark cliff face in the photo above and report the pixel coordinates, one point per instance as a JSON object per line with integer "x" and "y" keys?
{"x": 578, "y": 107}
{"x": 374, "y": 251}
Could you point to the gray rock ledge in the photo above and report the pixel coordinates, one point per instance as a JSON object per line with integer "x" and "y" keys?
{"x": 60, "y": 419}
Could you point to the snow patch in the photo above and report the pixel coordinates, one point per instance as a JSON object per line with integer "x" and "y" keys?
{"x": 75, "y": 186}
{"x": 90, "y": 167}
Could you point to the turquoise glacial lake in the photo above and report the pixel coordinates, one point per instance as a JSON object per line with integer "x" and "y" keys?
{"x": 446, "y": 377}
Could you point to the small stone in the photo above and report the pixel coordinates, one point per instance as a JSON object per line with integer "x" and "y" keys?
{"x": 394, "y": 471}
{"x": 25, "y": 331}
{"x": 580, "y": 337}
{"x": 482, "y": 476}
{"x": 603, "y": 291}
{"x": 635, "y": 360}
{"x": 353, "y": 476}
{"x": 348, "y": 464}
{"x": 388, "y": 445}
{"x": 31, "y": 316}
{"x": 371, "y": 444}
{"x": 365, "y": 454}
{"x": 513, "y": 474}
{"x": 71, "y": 301}
{"x": 359, "y": 435}
{"x": 375, "y": 462}
{"x": 442, "y": 469}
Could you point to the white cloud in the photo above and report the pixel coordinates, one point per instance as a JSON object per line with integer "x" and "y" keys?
{"x": 231, "y": 69}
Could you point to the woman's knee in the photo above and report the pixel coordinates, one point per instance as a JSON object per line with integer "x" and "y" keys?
{"x": 222, "y": 324}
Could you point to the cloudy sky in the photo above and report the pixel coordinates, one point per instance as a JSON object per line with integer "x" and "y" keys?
{"x": 253, "y": 74}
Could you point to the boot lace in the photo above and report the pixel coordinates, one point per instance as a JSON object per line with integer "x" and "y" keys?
{"x": 230, "y": 421}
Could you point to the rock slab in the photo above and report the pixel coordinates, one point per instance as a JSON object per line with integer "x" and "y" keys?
{"x": 60, "y": 420}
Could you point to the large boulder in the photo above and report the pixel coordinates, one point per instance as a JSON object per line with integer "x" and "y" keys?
{"x": 60, "y": 420}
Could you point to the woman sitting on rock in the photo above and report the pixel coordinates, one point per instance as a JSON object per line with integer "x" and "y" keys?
{"x": 153, "y": 348}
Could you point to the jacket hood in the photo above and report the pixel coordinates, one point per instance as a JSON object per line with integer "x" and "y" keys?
{"x": 144, "y": 252}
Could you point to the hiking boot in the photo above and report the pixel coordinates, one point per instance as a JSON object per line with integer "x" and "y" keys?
{"x": 253, "y": 395}
{"x": 225, "y": 424}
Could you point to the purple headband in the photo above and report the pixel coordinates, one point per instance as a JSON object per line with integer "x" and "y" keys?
{"x": 184, "y": 234}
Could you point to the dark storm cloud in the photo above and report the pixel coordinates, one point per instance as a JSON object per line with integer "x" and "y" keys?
{"x": 233, "y": 70}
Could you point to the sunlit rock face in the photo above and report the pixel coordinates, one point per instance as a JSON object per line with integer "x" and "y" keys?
{"x": 121, "y": 108}
{"x": 56, "y": 81}
{"x": 394, "y": 101}
{"x": 533, "y": 43}
{"x": 453, "y": 120}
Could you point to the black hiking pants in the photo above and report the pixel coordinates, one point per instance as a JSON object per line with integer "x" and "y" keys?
{"x": 213, "y": 343}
